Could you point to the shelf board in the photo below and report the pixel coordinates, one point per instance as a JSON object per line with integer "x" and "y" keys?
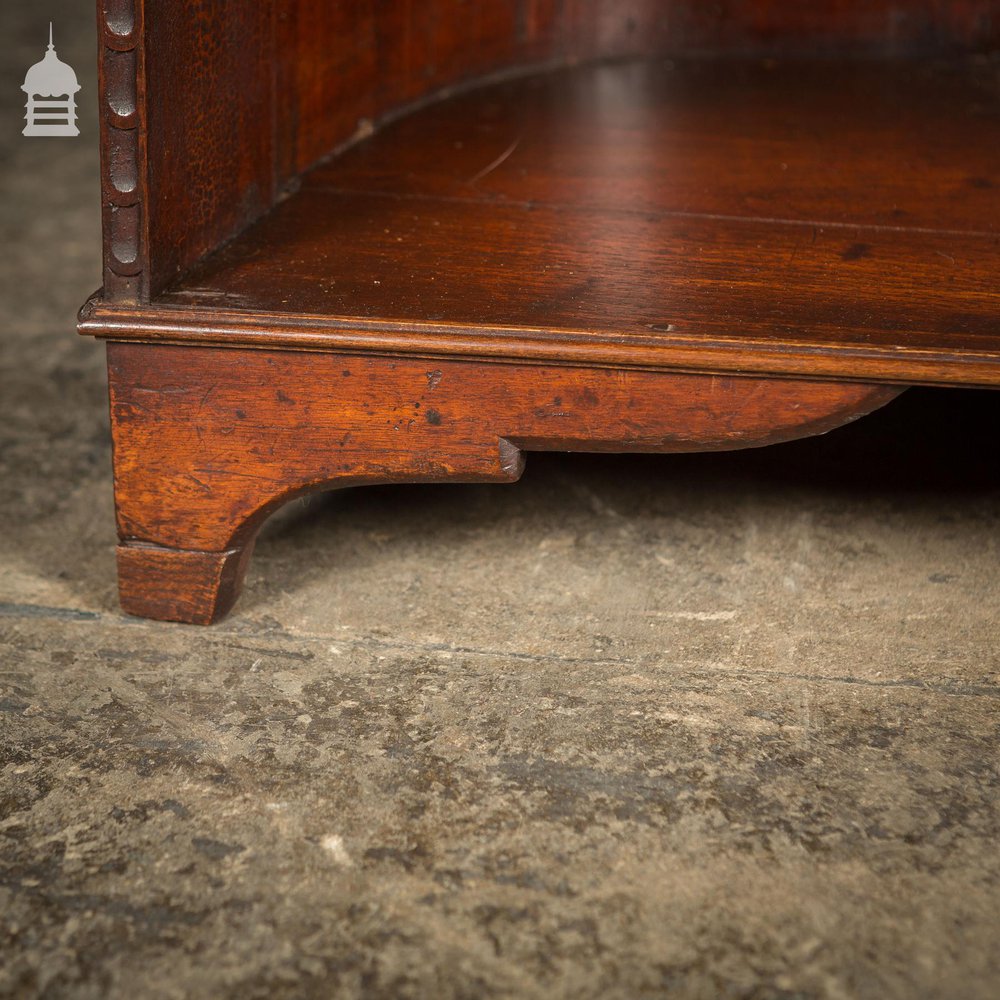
{"x": 833, "y": 219}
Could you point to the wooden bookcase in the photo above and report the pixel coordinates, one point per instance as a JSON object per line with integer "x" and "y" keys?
{"x": 349, "y": 243}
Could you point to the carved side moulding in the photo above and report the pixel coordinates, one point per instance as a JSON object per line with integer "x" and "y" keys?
{"x": 123, "y": 150}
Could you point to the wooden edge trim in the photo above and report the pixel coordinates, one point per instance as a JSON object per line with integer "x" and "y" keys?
{"x": 714, "y": 353}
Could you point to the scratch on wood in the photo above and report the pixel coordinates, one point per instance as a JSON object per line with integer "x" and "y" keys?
{"x": 490, "y": 167}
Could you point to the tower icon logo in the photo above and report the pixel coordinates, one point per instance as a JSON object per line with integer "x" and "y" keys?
{"x": 51, "y": 86}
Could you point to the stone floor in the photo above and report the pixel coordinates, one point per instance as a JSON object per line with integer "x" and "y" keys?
{"x": 703, "y": 726}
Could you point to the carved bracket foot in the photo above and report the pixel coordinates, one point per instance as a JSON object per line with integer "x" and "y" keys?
{"x": 208, "y": 441}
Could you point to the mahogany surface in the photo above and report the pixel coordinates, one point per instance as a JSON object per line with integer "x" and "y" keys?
{"x": 834, "y": 219}
{"x": 211, "y": 108}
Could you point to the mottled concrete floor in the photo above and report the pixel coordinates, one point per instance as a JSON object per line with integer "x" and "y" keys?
{"x": 690, "y": 726}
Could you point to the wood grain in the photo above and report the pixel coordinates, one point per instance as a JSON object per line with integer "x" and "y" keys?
{"x": 209, "y": 114}
{"x": 609, "y": 273}
{"x": 177, "y": 585}
{"x": 228, "y": 101}
{"x": 913, "y": 145}
{"x": 836, "y": 220}
{"x": 208, "y": 442}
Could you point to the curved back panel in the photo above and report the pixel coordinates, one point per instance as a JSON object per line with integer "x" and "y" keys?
{"x": 345, "y": 64}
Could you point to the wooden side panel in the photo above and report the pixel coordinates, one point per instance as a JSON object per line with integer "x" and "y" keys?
{"x": 187, "y": 134}
{"x": 209, "y": 126}
{"x": 343, "y": 66}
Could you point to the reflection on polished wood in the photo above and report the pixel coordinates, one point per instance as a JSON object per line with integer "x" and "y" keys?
{"x": 833, "y": 219}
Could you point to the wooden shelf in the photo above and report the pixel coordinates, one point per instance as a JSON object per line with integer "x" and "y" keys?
{"x": 829, "y": 219}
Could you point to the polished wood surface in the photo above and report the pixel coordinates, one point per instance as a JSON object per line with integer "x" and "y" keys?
{"x": 906, "y": 145}
{"x": 212, "y": 108}
{"x": 209, "y": 113}
{"x": 208, "y": 442}
{"x": 832, "y": 219}
{"x": 389, "y": 55}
